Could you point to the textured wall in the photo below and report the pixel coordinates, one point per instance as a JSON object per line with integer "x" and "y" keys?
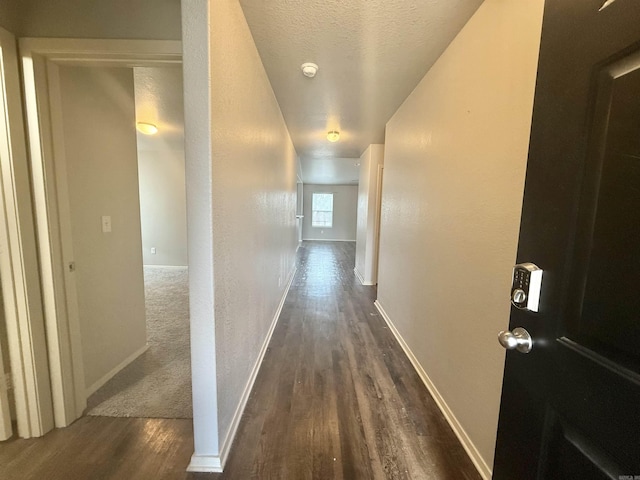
{"x": 197, "y": 110}
{"x": 455, "y": 160}
{"x": 102, "y": 175}
{"x": 254, "y": 203}
{"x": 368, "y": 201}
{"x": 161, "y": 166}
{"x": 345, "y": 208}
{"x": 134, "y": 19}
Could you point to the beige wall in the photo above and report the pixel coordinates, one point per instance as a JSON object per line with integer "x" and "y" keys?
{"x": 453, "y": 182}
{"x": 254, "y": 204}
{"x": 133, "y": 19}
{"x": 345, "y": 208}
{"x": 161, "y": 166}
{"x": 100, "y": 146}
{"x": 368, "y": 202}
{"x": 163, "y": 205}
{"x": 10, "y": 17}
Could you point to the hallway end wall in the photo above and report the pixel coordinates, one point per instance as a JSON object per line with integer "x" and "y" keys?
{"x": 455, "y": 159}
{"x": 345, "y": 209}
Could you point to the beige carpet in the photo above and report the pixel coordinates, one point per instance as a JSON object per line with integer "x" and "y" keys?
{"x": 158, "y": 383}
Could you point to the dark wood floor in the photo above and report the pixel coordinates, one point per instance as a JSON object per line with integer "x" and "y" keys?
{"x": 336, "y": 398}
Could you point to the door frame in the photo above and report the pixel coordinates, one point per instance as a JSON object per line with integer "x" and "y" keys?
{"x": 19, "y": 260}
{"x": 40, "y": 60}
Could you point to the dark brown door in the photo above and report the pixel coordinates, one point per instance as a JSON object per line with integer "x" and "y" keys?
{"x": 571, "y": 407}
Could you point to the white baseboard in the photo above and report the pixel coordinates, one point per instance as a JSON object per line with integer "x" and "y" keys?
{"x": 235, "y": 422}
{"x": 165, "y": 266}
{"x": 467, "y": 444}
{"x": 112, "y": 373}
{"x": 361, "y": 278}
{"x": 205, "y": 463}
{"x": 326, "y": 240}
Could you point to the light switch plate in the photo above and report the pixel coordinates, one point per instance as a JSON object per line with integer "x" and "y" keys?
{"x": 106, "y": 224}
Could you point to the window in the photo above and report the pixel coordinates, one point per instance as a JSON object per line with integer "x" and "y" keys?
{"x": 322, "y": 210}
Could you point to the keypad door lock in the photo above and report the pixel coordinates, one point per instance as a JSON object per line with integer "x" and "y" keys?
{"x": 525, "y": 289}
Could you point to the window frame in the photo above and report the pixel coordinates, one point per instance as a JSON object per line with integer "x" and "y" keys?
{"x": 313, "y": 210}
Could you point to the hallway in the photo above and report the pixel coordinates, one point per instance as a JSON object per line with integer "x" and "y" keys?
{"x": 335, "y": 398}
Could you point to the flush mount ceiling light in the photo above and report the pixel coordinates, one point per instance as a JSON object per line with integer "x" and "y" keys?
{"x": 309, "y": 69}
{"x": 333, "y": 136}
{"x": 147, "y": 128}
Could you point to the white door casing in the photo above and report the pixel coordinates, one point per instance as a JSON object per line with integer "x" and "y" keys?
{"x": 18, "y": 259}
{"x": 40, "y": 61}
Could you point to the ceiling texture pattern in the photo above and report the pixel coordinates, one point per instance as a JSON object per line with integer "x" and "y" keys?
{"x": 371, "y": 54}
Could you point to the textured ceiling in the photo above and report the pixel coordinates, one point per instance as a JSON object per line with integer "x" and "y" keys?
{"x": 158, "y": 92}
{"x": 371, "y": 54}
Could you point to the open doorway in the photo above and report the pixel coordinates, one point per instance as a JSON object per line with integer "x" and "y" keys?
{"x": 127, "y": 222}
{"x": 157, "y": 383}
{"x": 102, "y": 129}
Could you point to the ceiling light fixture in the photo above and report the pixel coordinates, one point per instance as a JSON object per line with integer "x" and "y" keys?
{"x": 147, "y": 128}
{"x": 333, "y": 136}
{"x": 309, "y": 69}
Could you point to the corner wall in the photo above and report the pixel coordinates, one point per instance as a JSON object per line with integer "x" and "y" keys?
{"x": 345, "y": 209}
{"x": 254, "y": 206}
{"x": 241, "y": 168}
{"x": 455, "y": 159}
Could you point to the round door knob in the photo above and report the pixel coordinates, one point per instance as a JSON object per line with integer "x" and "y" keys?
{"x": 519, "y": 340}
{"x": 518, "y": 295}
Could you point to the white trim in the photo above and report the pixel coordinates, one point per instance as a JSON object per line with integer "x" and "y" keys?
{"x": 127, "y": 53}
{"x": 113, "y": 372}
{"x": 483, "y": 469}
{"x": 235, "y": 421}
{"x": 327, "y": 240}
{"x": 167, "y": 266}
{"x": 361, "y": 278}
{"x": 19, "y": 259}
{"x": 205, "y": 464}
{"x": 40, "y": 58}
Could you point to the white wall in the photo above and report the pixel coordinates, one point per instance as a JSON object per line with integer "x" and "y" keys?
{"x": 100, "y": 145}
{"x": 240, "y": 154}
{"x": 133, "y": 19}
{"x": 455, "y": 160}
{"x": 163, "y": 201}
{"x": 345, "y": 209}
{"x": 254, "y": 203}
{"x": 368, "y": 220}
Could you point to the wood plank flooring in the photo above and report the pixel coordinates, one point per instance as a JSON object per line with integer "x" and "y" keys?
{"x": 335, "y": 398}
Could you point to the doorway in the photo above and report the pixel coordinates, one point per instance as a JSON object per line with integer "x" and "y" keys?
{"x": 156, "y": 384}
{"x": 45, "y": 64}
{"x": 570, "y": 407}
